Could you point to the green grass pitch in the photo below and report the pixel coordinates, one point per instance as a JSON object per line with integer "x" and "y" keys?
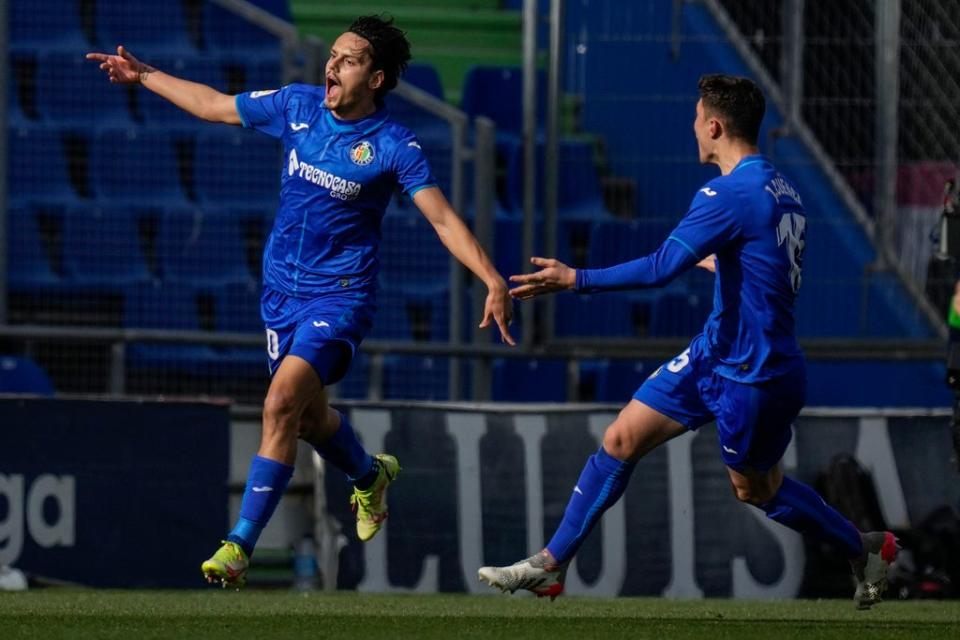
{"x": 214, "y": 614}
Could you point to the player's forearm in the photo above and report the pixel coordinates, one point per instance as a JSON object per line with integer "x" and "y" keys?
{"x": 196, "y": 99}
{"x": 462, "y": 244}
{"x": 654, "y": 270}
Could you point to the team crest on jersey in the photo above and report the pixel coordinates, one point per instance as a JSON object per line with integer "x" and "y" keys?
{"x": 362, "y": 153}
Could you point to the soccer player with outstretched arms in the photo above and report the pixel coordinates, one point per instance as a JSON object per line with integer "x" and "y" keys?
{"x": 343, "y": 158}
{"x": 745, "y": 369}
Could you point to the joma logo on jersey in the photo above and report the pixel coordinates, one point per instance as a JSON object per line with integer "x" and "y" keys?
{"x": 339, "y": 187}
{"x": 362, "y": 153}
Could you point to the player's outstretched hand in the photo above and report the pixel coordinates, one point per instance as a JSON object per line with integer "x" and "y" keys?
{"x": 499, "y": 308}
{"x": 122, "y": 68}
{"x": 553, "y": 276}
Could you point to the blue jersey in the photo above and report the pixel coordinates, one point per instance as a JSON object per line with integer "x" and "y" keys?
{"x": 336, "y": 181}
{"x": 753, "y": 220}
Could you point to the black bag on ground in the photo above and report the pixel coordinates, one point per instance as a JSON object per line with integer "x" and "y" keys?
{"x": 849, "y": 488}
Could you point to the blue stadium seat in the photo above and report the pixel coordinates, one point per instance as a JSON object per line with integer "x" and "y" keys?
{"x": 54, "y": 24}
{"x": 145, "y": 28}
{"x": 415, "y": 377}
{"x": 437, "y": 145}
{"x": 404, "y": 314}
{"x": 508, "y": 255}
{"x": 519, "y": 380}
{"x": 136, "y": 165}
{"x": 73, "y": 90}
{"x": 412, "y": 256}
{"x": 23, "y": 375}
{"x": 154, "y": 110}
{"x": 237, "y": 307}
{"x": 497, "y": 92}
{"x": 616, "y": 241}
{"x": 679, "y": 314}
{"x": 607, "y": 315}
{"x": 172, "y": 307}
{"x": 201, "y": 246}
{"x": 22, "y": 88}
{"x": 425, "y": 77}
{"x": 579, "y": 193}
{"x": 241, "y": 73}
{"x": 237, "y": 166}
{"x": 37, "y": 165}
{"x": 613, "y": 380}
{"x": 354, "y": 384}
{"x": 28, "y": 267}
{"x": 103, "y": 247}
{"x": 224, "y": 30}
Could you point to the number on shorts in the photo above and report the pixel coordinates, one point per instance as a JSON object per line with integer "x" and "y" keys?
{"x": 273, "y": 344}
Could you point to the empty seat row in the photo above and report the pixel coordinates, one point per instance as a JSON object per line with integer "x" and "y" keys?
{"x": 106, "y": 247}
{"x": 62, "y": 87}
{"x": 221, "y": 165}
{"x": 128, "y": 242}
{"x": 157, "y": 26}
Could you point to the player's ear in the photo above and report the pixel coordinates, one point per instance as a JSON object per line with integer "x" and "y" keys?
{"x": 716, "y": 128}
{"x": 376, "y": 79}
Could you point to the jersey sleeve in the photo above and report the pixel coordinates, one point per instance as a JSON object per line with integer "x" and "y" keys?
{"x": 411, "y": 166}
{"x": 654, "y": 270}
{"x": 710, "y": 223}
{"x": 264, "y": 110}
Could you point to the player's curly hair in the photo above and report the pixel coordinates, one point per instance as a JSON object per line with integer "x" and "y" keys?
{"x": 391, "y": 49}
{"x": 738, "y": 102}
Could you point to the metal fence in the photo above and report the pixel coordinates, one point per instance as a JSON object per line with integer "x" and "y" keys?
{"x": 134, "y": 234}
{"x": 877, "y": 83}
{"x": 129, "y": 218}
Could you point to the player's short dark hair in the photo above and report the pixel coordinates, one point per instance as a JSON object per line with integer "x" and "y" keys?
{"x": 738, "y": 102}
{"x": 390, "y": 47}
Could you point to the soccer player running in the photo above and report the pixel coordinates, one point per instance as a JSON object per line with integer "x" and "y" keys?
{"x": 745, "y": 369}
{"x": 343, "y": 159}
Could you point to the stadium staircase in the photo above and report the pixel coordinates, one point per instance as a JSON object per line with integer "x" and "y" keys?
{"x": 450, "y": 35}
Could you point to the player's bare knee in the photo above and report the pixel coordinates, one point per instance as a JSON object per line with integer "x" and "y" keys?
{"x": 756, "y": 492}
{"x": 281, "y": 411}
{"x": 619, "y": 442}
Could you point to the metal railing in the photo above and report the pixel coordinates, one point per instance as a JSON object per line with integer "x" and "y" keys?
{"x": 788, "y": 102}
{"x": 570, "y": 350}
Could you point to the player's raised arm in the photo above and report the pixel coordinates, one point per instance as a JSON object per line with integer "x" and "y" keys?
{"x": 456, "y": 237}
{"x": 194, "y": 98}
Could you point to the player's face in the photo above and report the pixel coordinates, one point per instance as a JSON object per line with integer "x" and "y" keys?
{"x": 703, "y": 130}
{"x": 351, "y": 80}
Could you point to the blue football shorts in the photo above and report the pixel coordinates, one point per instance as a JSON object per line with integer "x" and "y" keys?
{"x": 325, "y": 330}
{"x": 754, "y": 421}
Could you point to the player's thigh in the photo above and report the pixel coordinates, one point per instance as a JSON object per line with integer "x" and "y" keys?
{"x": 329, "y": 332}
{"x": 294, "y": 385}
{"x": 673, "y": 390}
{"x": 638, "y": 430}
{"x": 755, "y": 421}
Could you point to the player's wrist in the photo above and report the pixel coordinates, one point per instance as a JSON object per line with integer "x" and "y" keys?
{"x": 496, "y": 284}
{"x": 144, "y": 72}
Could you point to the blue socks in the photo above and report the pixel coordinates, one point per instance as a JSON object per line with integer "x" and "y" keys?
{"x": 266, "y": 482}
{"x": 345, "y": 452}
{"x": 799, "y": 507}
{"x": 601, "y": 484}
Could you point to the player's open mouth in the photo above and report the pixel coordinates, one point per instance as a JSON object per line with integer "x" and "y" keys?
{"x": 333, "y": 87}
